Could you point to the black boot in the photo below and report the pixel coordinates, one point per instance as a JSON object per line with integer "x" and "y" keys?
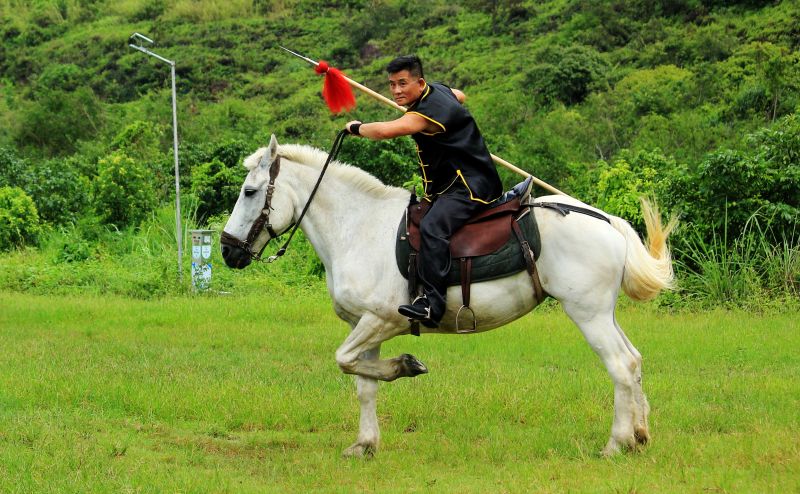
{"x": 419, "y": 310}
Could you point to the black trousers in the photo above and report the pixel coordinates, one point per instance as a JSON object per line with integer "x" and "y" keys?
{"x": 449, "y": 212}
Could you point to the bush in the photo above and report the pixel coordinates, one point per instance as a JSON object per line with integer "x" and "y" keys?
{"x": 618, "y": 186}
{"x": 13, "y": 169}
{"x": 19, "y": 220}
{"x": 565, "y": 74}
{"x": 216, "y": 186}
{"x": 393, "y": 161}
{"x": 56, "y": 122}
{"x": 765, "y": 178}
{"x": 217, "y": 175}
{"x": 140, "y": 140}
{"x": 123, "y": 191}
{"x": 66, "y": 77}
{"x": 57, "y": 186}
{"x": 661, "y": 90}
{"x": 59, "y": 190}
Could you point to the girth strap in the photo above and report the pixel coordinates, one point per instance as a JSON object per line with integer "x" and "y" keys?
{"x": 565, "y": 209}
{"x": 530, "y": 262}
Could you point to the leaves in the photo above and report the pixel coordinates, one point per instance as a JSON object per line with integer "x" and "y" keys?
{"x": 123, "y": 191}
{"x": 19, "y": 220}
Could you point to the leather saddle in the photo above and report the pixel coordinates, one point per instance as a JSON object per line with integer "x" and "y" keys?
{"x": 486, "y": 240}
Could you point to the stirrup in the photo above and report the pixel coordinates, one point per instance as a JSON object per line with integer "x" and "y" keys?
{"x": 474, "y": 321}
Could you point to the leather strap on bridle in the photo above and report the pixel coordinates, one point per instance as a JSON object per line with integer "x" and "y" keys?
{"x": 263, "y": 219}
{"x": 337, "y": 144}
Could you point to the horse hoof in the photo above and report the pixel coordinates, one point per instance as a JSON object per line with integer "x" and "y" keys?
{"x": 641, "y": 435}
{"x": 611, "y": 449}
{"x": 412, "y": 366}
{"x": 358, "y": 450}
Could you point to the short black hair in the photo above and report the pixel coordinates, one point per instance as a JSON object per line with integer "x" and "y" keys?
{"x": 411, "y": 63}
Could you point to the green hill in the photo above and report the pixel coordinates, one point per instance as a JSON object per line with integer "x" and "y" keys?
{"x": 691, "y": 101}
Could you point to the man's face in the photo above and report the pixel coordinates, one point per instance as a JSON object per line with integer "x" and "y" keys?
{"x": 405, "y": 87}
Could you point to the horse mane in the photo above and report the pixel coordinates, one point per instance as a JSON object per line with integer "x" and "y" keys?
{"x": 358, "y": 178}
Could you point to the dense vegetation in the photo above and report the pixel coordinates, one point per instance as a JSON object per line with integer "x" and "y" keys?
{"x": 692, "y": 102}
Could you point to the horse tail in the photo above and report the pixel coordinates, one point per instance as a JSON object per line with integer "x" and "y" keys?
{"x": 648, "y": 270}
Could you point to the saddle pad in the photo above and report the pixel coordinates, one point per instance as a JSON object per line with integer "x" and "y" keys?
{"x": 505, "y": 261}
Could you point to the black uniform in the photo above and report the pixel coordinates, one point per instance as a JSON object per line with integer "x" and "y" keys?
{"x": 460, "y": 179}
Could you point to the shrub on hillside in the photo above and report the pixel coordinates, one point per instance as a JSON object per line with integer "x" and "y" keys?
{"x": 216, "y": 186}
{"x": 661, "y": 90}
{"x": 13, "y": 169}
{"x": 123, "y": 191}
{"x": 393, "y": 162}
{"x": 617, "y": 187}
{"x": 217, "y": 175}
{"x": 19, "y": 220}
{"x": 730, "y": 186}
{"x": 565, "y": 74}
{"x": 57, "y": 186}
{"x": 58, "y": 189}
{"x": 55, "y": 123}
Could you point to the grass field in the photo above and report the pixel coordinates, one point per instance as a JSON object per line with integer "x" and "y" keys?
{"x": 230, "y": 394}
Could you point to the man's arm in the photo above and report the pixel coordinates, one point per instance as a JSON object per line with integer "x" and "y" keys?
{"x": 460, "y": 96}
{"x": 410, "y": 123}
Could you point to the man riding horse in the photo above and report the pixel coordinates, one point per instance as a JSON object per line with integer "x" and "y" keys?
{"x": 460, "y": 179}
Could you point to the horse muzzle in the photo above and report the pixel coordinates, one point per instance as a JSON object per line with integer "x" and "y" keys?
{"x": 234, "y": 255}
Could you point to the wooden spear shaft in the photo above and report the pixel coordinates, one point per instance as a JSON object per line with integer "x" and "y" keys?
{"x": 387, "y": 101}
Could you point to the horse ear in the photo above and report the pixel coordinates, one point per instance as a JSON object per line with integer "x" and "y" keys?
{"x": 272, "y": 149}
{"x": 270, "y": 153}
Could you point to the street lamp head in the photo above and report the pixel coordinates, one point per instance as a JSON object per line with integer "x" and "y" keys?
{"x": 139, "y": 38}
{"x": 136, "y": 40}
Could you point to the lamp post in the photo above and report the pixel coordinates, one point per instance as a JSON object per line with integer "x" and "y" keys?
{"x": 136, "y": 41}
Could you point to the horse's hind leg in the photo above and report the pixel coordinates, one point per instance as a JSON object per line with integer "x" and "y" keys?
{"x": 623, "y": 365}
{"x": 368, "y": 428}
{"x": 641, "y": 428}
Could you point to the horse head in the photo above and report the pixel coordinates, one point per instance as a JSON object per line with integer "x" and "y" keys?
{"x": 262, "y": 212}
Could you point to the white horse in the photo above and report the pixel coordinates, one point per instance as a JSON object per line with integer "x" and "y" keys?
{"x": 352, "y": 222}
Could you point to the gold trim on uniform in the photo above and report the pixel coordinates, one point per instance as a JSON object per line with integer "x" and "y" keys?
{"x": 430, "y": 120}
{"x": 471, "y": 196}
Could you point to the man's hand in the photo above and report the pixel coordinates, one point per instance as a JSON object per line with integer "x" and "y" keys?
{"x": 352, "y": 127}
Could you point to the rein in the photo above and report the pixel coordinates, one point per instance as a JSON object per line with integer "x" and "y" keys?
{"x": 263, "y": 220}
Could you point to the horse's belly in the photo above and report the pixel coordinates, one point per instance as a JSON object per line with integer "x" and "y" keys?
{"x": 494, "y": 303}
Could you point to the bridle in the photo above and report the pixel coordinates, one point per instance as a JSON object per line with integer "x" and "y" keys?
{"x": 262, "y": 221}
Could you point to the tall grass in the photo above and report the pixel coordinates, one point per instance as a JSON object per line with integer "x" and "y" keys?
{"x": 142, "y": 262}
{"x": 754, "y": 269}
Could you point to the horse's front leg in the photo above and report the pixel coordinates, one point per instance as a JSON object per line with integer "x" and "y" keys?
{"x": 367, "y": 335}
{"x": 369, "y": 433}
{"x": 360, "y": 355}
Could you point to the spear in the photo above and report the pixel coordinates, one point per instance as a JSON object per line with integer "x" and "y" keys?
{"x": 334, "y": 80}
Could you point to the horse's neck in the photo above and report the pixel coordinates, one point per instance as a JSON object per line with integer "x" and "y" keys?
{"x": 341, "y": 216}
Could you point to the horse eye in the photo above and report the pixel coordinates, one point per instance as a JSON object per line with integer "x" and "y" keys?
{"x": 249, "y": 191}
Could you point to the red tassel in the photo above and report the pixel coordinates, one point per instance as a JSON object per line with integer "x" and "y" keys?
{"x": 336, "y": 90}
